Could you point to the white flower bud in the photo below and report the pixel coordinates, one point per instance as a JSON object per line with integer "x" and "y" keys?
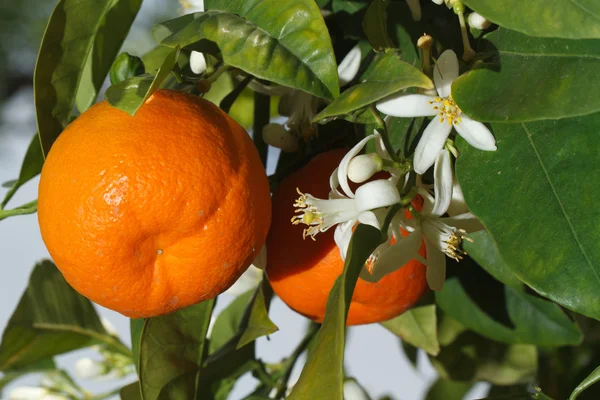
{"x": 363, "y": 167}
{"x": 353, "y": 391}
{"x": 438, "y": 2}
{"x": 86, "y": 368}
{"x": 277, "y": 136}
{"x": 197, "y": 62}
{"x": 349, "y": 66}
{"x": 33, "y": 393}
{"x": 478, "y": 21}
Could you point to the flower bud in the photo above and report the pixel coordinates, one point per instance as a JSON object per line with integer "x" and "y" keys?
{"x": 277, "y": 136}
{"x": 349, "y": 66}
{"x": 425, "y": 42}
{"x": 33, "y": 393}
{"x": 478, "y": 21}
{"x": 438, "y": 2}
{"x": 363, "y": 167}
{"x": 86, "y": 368}
{"x": 197, "y": 62}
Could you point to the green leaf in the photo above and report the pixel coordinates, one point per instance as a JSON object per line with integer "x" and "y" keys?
{"x": 389, "y": 75}
{"x": 107, "y": 43}
{"x": 417, "y": 326}
{"x": 587, "y": 382}
{"x": 444, "y": 389}
{"x": 31, "y": 167}
{"x": 323, "y": 374}
{"x": 70, "y": 36}
{"x": 375, "y": 25}
{"x": 572, "y": 19}
{"x": 283, "y": 42}
{"x": 131, "y": 391}
{"x": 544, "y": 221}
{"x": 51, "y": 318}
{"x": 124, "y": 67}
{"x": 27, "y": 208}
{"x": 172, "y": 352}
{"x": 228, "y": 322}
{"x": 130, "y": 94}
{"x": 403, "y": 133}
{"x": 259, "y": 324}
{"x": 532, "y": 79}
{"x": 15, "y": 373}
{"x": 136, "y": 325}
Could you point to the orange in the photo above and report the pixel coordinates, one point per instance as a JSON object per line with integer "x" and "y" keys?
{"x": 302, "y": 272}
{"x": 148, "y": 214}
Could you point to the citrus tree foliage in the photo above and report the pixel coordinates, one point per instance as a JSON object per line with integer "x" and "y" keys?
{"x": 520, "y": 310}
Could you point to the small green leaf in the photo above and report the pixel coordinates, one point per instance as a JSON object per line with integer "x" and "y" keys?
{"x": 131, "y": 391}
{"x": 70, "y": 35}
{"x": 445, "y": 389}
{"x": 27, "y": 208}
{"x": 124, "y": 67}
{"x": 417, "y": 326}
{"x": 283, "y": 42}
{"x": 136, "y": 325}
{"x": 389, "y": 75}
{"x": 31, "y": 167}
{"x": 542, "y": 212}
{"x": 172, "y": 352}
{"x": 51, "y": 318}
{"x": 375, "y": 25}
{"x": 228, "y": 322}
{"x": 323, "y": 374}
{"x": 532, "y": 79}
{"x": 259, "y": 324}
{"x": 571, "y": 19}
{"x": 130, "y": 94}
{"x": 587, "y": 382}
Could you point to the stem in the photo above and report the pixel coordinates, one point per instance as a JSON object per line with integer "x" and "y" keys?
{"x": 262, "y": 111}
{"x": 384, "y": 134}
{"x": 214, "y": 76}
{"x": 468, "y": 52}
{"x": 293, "y": 358}
{"x": 262, "y": 375}
{"x": 228, "y": 100}
{"x": 388, "y": 219}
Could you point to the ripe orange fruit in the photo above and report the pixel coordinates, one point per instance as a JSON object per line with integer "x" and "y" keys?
{"x": 152, "y": 213}
{"x": 302, "y": 272}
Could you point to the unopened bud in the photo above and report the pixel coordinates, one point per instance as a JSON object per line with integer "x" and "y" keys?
{"x": 458, "y": 7}
{"x": 86, "y": 368}
{"x": 478, "y": 21}
{"x": 425, "y": 42}
{"x": 363, "y": 167}
{"x": 277, "y": 136}
{"x": 438, "y": 2}
{"x": 197, "y": 62}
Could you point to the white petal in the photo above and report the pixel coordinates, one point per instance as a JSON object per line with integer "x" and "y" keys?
{"x": 197, "y": 62}
{"x": 352, "y": 391}
{"x": 466, "y": 221}
{"x": 436, "y": 267}
{"x": 444, "y": 72}
{"x": 334, "y": 184}
{"x": 342, "y": 170}
{"x": 86, "y": 368}
{"x": 349, "y": 66}
{"x": 342, "y": 236}
{"x": 428, "y": 201}
{"x": 376, "y": 194}
{"x": 415, "y": 9}
{"x": 27, "y": 393}
{"x": 437, "y": 232}
{"x": 442, "y": 174}
{"x": 476, "y": 134}
{"x": 249, "y": 280}
{"x": 277, "y": 136}
{"x": 369, "y": 218}
{"x": 395, "y": 257}
{"x": 430, "y": 144}
{"x": 457, "y": 204}
{"x": 407, "y": 105}
{"x": 438, "y": 2}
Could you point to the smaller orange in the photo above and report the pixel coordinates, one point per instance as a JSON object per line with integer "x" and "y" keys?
{"x": 302, "y": 272}
{"x": 155, "y": 212}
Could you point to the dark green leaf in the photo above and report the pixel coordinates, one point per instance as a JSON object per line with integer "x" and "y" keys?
{"x": 31, "y": 167}
{"x": 131, "y": 391}
{"x": 444, "y": 389}
{"x": 15, "y": 373}
{"x": 124, "y": 67}
{"x": 375, "y": 25}
{"x": 136, "y": 325}
{"x": 72, "y": 31}
{"x": 403, "y": 133}
{"x": 323, "y": 373}
{"x": 417, "y": 326}
{"x": 388, "y": 75}
{"x": 411, "y": 353}
{"x": 130, "y": 94}
{"x": 542, "y": 211}
{"x": 587, "y": 382}
{"x": 283, "y": 42}
{"x": 572, "y": 19}
{"x": 259, "y": 324}
{"x": 51, "y": 318}
{"x": 172, "y": 352}
{"x": 533, "y": 79}
{"x": 228, "y": 322}
{"x": 27, "y": 208}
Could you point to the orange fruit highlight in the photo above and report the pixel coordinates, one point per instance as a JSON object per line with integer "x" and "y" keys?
{"x": 148, "y": 214}
{"x": 302, "y": 272}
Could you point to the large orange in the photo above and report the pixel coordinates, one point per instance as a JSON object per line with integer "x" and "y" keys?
{"x": 302, "y": 272}
{"x": 151, "y": 213}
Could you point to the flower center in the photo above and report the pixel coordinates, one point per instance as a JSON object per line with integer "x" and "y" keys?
{"x": 308, "y": 217}
{"x": 453, "y": 249}
{"x": 447, "y": 109}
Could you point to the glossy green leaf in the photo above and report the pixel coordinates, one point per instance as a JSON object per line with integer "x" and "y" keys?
{"x": 532, "y": 79}
{"x": 375, "y": 25}
{"x": 445, "y": 389}
{"x": 572, "y": 19}
{"x": 228, "y": 322}
{"x": 543, "y": 210}
{"x": 172, "y": 352}
{"x": 130, "y": 94}
{"x": 51, "y": 318}
{"x": 259, "y": 324}
{"x": 15, "y": 373}
{"x": 27, "y": 208}
{"x": 389, "y": 75}
{"x": 70, "y": 36}
{"x": 417, "y": 326}
{"x": 131, "y": 391}
{"x": 136, "y": 325}
{"x": 31, "y": 167}
{"x": 108, "y": 41}
{"x": 587, "y": 382}
{"x": 323, "y": 373}
{"x": 283, "y": 42}
{"x": 124, "y": 67}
